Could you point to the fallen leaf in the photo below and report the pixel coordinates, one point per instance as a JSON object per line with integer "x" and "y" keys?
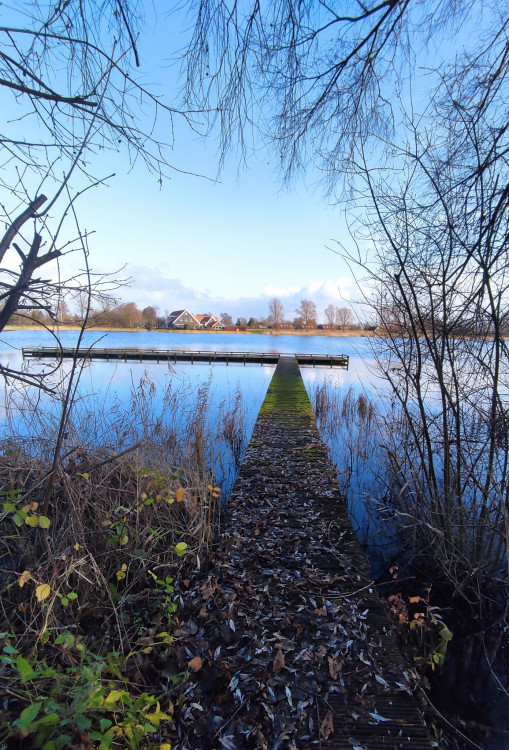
{"x": 335, "y": 667}
{"x": 327, "y": 726}
{"x": 279, "y": 662}
{"x": 195, "y": 664}
{"x": 376, "y": 716}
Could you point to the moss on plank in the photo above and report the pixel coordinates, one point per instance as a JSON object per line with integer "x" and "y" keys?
{"x": 286, "y": 396}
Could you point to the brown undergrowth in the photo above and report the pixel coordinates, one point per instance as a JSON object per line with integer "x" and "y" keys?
{"x": 89, "y": 555}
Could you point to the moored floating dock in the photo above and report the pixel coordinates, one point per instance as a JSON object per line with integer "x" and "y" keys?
{"x": 181, "y": 355}
{"x": 295, "y": 649}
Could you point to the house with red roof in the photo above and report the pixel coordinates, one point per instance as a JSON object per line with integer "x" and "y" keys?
{"x": 210, "y": 321}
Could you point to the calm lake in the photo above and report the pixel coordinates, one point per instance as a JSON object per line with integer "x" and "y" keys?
{"x": 106, "y": 379}
{"x": 103, "y": 384}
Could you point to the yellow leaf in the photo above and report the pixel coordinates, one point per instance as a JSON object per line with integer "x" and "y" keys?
{"x": 24, "y": 578}
{"x": 32, "y": 521}
{"x": 166, "y": 746}
{"x": 123, "y": 539}
{"x": 42, "y": 592}
{"x": 415, "y": 599}
{"x": 180, "y": 494}
{"x": 180, "y": 548}
{"x": 44, "y": 522}
{"x": 121, "y": 573}
{"x": 114, "y": 696}
{"x": 107, "y": 522}
{"x": 158, "y": 716}
{"x": 169, "y": 500}
{"x": 77, "y": 546}
{"x": 85, "y": 474}
{"x": 31, "y": 506}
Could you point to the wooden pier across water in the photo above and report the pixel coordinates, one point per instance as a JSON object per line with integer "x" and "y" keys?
{"x": 179, "y": 355}
{"x": 295, "y": 648}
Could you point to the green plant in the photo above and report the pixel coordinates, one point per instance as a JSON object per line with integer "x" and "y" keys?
{"x": 423, "y": 628}
{"x": 22, "y": 514}
{"x": 80, "y": 700}
{"x": 166, "y": 590}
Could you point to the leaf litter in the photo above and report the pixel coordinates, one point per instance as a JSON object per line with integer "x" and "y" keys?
{"x": 273, "y": 627}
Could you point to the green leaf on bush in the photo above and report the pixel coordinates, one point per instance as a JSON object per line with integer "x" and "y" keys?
{"x": 25, "y": 671}
{"x": 83, "y": 722}
{"x": 107, "y": 739}
{"x": 52, "y": 718}
{"x": 28, "y": 714}
{"x": 180, "y": 548}
{"x": 63, "y": 741}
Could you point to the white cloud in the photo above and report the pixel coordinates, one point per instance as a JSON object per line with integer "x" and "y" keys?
{"x": 154, "y": 286}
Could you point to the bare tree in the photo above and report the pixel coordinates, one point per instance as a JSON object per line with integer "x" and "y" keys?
{"x": 149, "y": 316}
{"x": 318, "y": 76}
{"x": 275, "y": 312}
{"x": 68, "y": 82}
{"x": 226, "y": 319}
{"x": 330, "y": 314}
{"x": 343, "y": 317}
{"x": 440, "y": 288}
{"x": 307, "y": 311}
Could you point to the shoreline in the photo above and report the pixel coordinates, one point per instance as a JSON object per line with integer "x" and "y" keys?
{"x": 263, "y": 332}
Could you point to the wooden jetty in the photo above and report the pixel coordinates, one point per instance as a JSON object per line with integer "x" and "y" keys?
{"x": 181, "y": 355}
{"x": 295, "y": 647}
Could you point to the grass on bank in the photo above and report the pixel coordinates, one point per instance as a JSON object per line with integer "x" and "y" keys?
{"x": 88, "y": 559}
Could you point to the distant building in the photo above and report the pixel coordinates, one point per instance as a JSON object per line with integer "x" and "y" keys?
{"x": 210, "y": 321}
{"x": 182, "y": 319}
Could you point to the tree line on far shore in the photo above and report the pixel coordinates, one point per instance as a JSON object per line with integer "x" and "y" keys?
{"x": 128, "y": 315}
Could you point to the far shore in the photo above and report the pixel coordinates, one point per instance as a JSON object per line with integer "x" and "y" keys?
{"x": 251, "y": 332}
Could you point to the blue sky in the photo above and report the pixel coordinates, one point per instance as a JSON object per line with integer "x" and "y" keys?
{"x": 218, "y": 246}
{"x": 224, "y": 243}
